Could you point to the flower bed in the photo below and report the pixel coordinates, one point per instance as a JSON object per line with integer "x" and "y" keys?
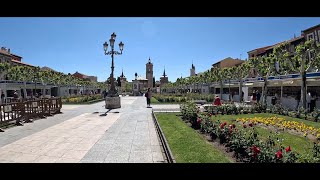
{"x": 283, "y": 124}
{"x": 244, "y": 140}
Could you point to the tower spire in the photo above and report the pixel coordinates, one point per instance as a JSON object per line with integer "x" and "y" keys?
{"x": 122, "y": 73}
{"x": 149, "y": 61}
{"x": 192, "y": 66}
{"x": 164, "y": 72}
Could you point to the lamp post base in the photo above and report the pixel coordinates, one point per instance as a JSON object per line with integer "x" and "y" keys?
{"x": 113, "y": 102}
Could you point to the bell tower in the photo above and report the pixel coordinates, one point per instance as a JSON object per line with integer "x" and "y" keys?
{"x": 149, "y": 73}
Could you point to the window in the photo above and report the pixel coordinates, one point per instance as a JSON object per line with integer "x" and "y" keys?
{"x": 318, "y": 35}
{"x": 310, "y": 36}
{"x": 292, "y": 48}
{"x": 203, "y": 90}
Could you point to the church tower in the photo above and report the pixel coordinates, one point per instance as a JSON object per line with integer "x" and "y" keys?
{"x": 192, "y": 70}
{"x": 164, "y": 78}
{"x": 149, "y": 73}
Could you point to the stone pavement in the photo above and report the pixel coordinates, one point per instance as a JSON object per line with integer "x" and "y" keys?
{"x": 83, "y": 134}
{"x": 165, "y": 107}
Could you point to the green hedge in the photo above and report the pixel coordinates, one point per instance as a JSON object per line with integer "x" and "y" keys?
{"x": 183, "y": 98}
{"x": 81, "y": 99}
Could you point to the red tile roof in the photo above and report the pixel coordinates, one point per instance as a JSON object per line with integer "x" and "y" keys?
{"x": 260, "y": 50}
{"x": 288, "y": 41}
{"x": 4, "y": 52}
{"x": 22, "y": 63}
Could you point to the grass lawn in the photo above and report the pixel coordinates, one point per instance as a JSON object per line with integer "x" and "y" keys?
{"x": 186, "y": 144}
{"x": 299, "y": 144}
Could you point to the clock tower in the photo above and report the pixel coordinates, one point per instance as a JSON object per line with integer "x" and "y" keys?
{"x": 149, "y": 73}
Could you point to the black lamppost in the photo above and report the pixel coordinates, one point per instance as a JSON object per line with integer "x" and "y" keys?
{"x": 112, "y": 92}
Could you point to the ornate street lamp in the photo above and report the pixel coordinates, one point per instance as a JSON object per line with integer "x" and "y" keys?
{"x": 112, "y": 99}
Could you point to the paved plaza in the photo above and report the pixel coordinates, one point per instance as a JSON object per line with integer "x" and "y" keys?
{"x": 84, "y": 134}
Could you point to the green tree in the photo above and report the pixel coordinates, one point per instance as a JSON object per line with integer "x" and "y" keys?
{"x": 305, "y": 58}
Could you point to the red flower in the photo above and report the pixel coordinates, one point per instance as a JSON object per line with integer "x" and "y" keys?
{"x": 221, "y": 126}
{"x": 225, "y": 123}
{"x": 250, "y": 124}
{"x": 230, "y": 130}
{"x": 233, "y": 125}
{"x": 244, "y": 126}
{"x": 279, "y": 154}
{"x": 198, "y": 120}
{"x": 255, "y": 149}
{"x": 230, "y": 126}
{"x": 288, "y": 149}
{"x": 210, "y": 114}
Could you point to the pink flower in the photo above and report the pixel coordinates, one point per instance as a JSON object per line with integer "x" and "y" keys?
{"x": 244, "y": 126}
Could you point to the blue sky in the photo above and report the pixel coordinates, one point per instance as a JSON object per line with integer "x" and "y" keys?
{"x": 75, "y": 44}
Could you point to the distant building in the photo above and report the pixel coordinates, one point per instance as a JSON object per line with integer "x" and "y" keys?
{"x": 228, "y": 62}
{"x": 7, "y": 56}
{"x": 45, "y": 68}
{"x": 192, "y": 70}
{"x": 164, "y": 78}
{"x": 139, "y": 85}
{"x": 123, "y": 81}
{"x": 83, "y": 76}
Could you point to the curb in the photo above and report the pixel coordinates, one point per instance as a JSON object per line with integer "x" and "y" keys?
{"x": 163, "y": 140}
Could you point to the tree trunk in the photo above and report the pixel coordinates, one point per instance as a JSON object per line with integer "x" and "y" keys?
{"x": 265, "y": 89}
{"x": 25, "y": 89}
{"x": 240, "y": 91}
{"x": 221, "y": 89}
{"x": 303, "y": 90}
{"x": 44, "y": 91}
{"x": 229, "y": 90}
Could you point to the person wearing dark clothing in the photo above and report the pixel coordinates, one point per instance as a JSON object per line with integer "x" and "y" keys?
{"x": 148, "y": 95}
{"x": 254, "y": 96}
{"x": 313, "y": 102}
{"x": 242, "y": 96}
{"x": 258, "y": 96}
{"x": 2, "y": 97}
